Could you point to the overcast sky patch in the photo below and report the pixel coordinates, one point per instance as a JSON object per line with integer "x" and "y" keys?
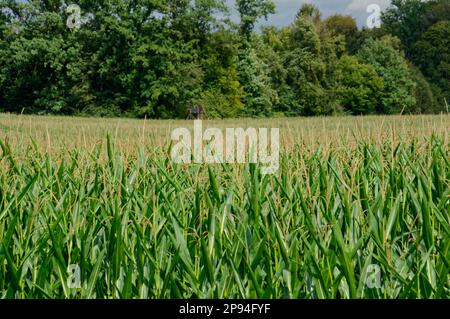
{"x": 287, "y": 9}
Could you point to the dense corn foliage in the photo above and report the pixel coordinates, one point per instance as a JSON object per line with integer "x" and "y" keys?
{"x": 137, "y": 225}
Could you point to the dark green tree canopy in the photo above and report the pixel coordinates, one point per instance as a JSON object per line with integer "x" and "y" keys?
{"x": 398, "y": 93}
{"x": 156, "y": 58}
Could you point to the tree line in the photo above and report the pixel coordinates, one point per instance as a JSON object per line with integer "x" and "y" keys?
{"x": 156, "y": 58}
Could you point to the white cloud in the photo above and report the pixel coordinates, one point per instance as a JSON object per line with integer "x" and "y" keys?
{"x": 287, "y": 9}
{"x": 361, "y": 5}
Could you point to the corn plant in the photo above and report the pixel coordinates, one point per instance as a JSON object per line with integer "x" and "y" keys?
{"x": 370, "y": 220}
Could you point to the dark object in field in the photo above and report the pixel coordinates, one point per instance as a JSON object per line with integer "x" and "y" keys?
{"x": 196, "y": 112}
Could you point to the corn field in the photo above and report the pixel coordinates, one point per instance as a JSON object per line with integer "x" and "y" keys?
{"x": 360, "y": 208}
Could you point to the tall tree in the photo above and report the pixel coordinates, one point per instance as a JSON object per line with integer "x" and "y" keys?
{"x": 259, "y": 97}
{"x": 432, "y": 54}
{"x": 436, "y": 11}
{"x": 251, "y": 11}
{"x": 343, "y": 25}
{"x": 404, "y": 19}
{"x": 398, "y": 93}
{"x": 305, "y": 69}
{"x": 157, "y": 57}
{"x": 360, "y": 86}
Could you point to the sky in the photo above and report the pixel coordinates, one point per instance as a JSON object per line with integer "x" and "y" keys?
{"x": 287, "y": 9}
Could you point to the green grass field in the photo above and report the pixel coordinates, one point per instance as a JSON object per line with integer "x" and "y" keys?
{"x": 95, "y": 208}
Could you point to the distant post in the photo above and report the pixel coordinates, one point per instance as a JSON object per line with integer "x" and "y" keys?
{"x": 196, "y": 112}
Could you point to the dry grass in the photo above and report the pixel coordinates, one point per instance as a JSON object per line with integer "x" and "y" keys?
{"x": 59, "y": 134}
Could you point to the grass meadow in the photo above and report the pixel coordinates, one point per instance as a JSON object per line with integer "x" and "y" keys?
{"x": 95, "y": 208}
